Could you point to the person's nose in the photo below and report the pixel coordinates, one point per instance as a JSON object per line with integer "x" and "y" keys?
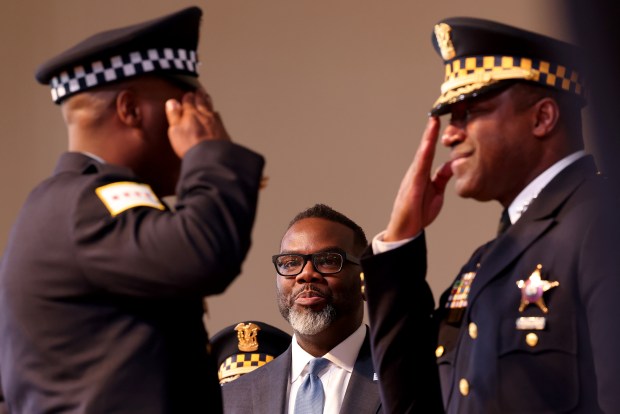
{"x": 453, "y": 134}
{"x": 308, "y": 273}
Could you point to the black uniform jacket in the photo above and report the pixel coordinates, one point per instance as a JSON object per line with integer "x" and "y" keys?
{"x": 504, "y": 353}
{"x": 100, "y": 308}
{"x": 3, "y": 409}
{"x": 265, "y": 390}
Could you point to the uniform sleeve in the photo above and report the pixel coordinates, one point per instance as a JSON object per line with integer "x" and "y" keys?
{"x": 403, "y": 333}
{"x": 600, "y": 291}
{"x": 197, "y": 249}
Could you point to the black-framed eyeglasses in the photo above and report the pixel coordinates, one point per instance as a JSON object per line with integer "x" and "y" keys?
{"x": 325, "y": 263}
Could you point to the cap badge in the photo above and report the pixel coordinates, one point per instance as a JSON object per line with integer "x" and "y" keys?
{"x": 442, "y": 33}
{"x": 247, "y": 335}
{"x": 533, "y": 288}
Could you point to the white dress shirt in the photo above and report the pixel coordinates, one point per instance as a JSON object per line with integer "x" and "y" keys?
{"x": 335, "y": 377}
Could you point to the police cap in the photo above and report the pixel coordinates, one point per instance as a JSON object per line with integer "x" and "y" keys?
{"x": 163, "y": 46}
{"x": 482, "y": 55}
{"x": 245, "y": 346}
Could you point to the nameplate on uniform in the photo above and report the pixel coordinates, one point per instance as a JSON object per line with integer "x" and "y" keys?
{"x": 124, "y": 195}
{"x": 531, "y": 323}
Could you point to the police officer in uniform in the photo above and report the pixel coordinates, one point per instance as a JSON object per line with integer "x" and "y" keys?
{"x": 101, "y": 284}
{"x": 529, "y": 323}
{"x": 244, "y": 346}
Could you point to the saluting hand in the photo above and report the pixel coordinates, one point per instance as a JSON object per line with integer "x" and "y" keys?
{"x": 420, "y": 196}
{"x": 193, "y": 120}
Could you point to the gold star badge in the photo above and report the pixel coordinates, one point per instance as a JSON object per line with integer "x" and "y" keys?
{"x": 533, "y": 288}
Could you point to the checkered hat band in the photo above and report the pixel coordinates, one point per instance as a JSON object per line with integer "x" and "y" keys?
{"x": 500, "y": 68}
{"x": 121, "y": 67}
{"x": 242, "y": 363}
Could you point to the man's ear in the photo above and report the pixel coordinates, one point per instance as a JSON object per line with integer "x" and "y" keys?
{"x": 128, "y": 108}
{"x": 547, "y": 115}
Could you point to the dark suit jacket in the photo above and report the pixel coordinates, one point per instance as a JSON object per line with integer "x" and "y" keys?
{"x": 102, "y": 313}
{"x": 264, "y": 390}
{"x": 486, "y": 364}
{"x": 3, "y": 409}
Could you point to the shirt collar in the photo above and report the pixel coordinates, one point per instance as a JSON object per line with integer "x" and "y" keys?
{"x": 93, "y": 156}
{"x": 531, "y": 191}
{"x": 344, "y": 354}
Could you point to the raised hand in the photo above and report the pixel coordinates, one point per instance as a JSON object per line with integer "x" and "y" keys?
{"x": 420, "y": 196}
{"x": 193, "y": 120}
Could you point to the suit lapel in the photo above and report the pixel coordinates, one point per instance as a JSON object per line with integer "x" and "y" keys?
{"x": 363, "y": 391}
{"x": 270, "y": 389}
{"x": 538, "y": 218}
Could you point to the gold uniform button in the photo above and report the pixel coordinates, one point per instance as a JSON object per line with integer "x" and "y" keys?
{"x": 464, "y": 387}
{"x": 363, "y": 288}
{"x": 531, "y": 339}
{"x": 473, "y": 330}
{"x": 439, "y": 351}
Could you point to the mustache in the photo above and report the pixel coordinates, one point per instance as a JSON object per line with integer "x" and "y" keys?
{"x": 306, "y": 289}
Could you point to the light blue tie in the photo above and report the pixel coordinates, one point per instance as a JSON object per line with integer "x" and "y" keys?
{"x": 310, "y": 396}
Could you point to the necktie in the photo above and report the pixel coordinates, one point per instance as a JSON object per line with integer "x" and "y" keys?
{"x": 504, "y": 222}
{"x": 310, "y": 396}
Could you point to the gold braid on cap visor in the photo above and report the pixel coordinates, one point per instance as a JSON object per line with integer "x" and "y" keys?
{"x": 467, "y": 75}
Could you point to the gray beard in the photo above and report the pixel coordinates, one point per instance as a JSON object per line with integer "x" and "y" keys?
{"x": 309, "y": 322}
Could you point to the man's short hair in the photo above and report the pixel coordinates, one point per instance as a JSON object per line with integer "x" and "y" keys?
{"x": 326, "y": 212}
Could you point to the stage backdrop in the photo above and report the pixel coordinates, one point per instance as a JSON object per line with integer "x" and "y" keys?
{"x": 335, "y": 94}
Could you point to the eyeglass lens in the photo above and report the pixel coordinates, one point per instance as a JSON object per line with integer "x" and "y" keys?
{"x": 324, "y": 262}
